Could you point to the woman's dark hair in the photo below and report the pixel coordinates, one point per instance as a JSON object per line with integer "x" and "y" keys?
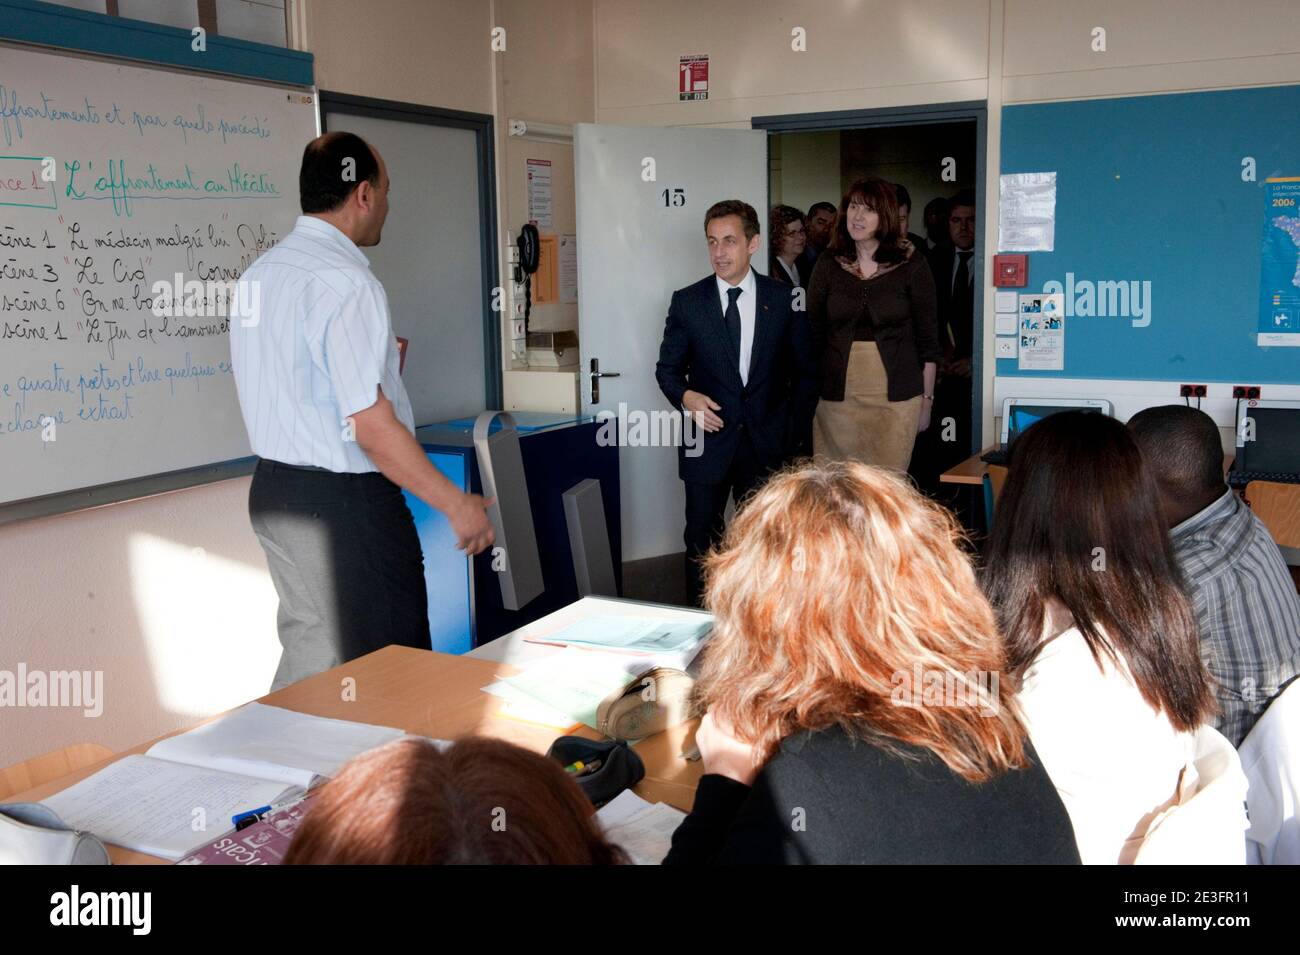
{"x": 777, "y": 221}
{"x": 481, "y": 802}
{"x": 1079, "y": 520}
{"x": 880, "y": 197}
{"x": 322, "y": 186}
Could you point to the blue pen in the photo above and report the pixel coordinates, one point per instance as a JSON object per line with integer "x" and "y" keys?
{"x": 237, "y": 819}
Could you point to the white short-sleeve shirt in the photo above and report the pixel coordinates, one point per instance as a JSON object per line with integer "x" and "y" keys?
{"x": 313, "y": 350}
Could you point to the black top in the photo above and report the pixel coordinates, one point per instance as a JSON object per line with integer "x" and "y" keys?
{"x": 827, "y": 798}
{"x": 901, "y": 315}
{"x": 802, "y": 268}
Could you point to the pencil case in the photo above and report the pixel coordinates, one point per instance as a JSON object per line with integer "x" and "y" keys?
{"x": 620, "y": 768}
{"x": 655, "y": 700}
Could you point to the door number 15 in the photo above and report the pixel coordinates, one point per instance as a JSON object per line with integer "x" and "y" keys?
{"x": 675, "y": 198}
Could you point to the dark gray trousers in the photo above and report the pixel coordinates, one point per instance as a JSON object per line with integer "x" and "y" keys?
{"x": 346, "y": 563}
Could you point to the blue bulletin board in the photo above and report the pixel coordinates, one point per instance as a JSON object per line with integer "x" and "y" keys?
{"x": 1166, "y": 198}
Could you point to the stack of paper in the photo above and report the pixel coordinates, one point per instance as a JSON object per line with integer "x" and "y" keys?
{"x": 571, "y": 684}
{"x": 644, "y": 830}
{"x": 186, "y": 788}
{"x": 668, "y": 643}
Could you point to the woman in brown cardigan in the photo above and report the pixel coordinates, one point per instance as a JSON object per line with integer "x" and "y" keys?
{"x": 871, "y": 305}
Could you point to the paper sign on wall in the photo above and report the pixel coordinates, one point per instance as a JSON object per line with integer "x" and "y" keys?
{"x": 540, "y": 210}
{"x": 1027, "y": 212}
{"x": 568, "y": 269}
{"x": 693, "y": 77}
{"x": 1041, "y": 332}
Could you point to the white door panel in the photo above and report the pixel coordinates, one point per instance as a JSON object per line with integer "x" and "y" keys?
{"x": 635, "y": 247}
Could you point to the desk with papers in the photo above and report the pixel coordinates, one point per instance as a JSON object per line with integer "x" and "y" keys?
{"x": 440, "y": 696}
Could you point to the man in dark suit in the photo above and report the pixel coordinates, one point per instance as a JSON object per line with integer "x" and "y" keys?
{"x": 737, "y": 358}
{"x": 819, "y": 229}
{"x": 956, "y": 285}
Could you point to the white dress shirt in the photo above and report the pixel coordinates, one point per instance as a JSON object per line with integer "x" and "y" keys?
{"x": 315, "y": 351}
{"x": 746, "y": 303}
{"x": 1115, "y": 760}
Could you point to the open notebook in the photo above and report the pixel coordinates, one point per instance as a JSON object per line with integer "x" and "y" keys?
{"x": 185, "y": 789}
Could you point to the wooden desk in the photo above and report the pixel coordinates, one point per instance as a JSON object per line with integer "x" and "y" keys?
{"x": 971, "y": 471}
{"x": 436, "y": 695}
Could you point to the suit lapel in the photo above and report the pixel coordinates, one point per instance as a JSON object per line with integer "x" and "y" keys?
{"x": 762, "y": 323}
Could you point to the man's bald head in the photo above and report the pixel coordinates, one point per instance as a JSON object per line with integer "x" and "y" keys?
{"x": 344, "y": 181}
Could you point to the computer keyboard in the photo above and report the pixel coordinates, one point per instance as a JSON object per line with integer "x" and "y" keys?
{"x": 1242, "y": 478}
{"x": 994, "y": 456}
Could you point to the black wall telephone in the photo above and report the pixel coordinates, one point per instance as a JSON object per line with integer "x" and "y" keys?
{"x": 530, "y": 250}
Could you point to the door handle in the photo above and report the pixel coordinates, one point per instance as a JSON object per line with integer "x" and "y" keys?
{"x": 595, "y": 375}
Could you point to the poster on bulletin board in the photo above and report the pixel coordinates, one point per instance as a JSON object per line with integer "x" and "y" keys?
{"x": 1042, "y": 332}
{"x": 1279, "y": 279}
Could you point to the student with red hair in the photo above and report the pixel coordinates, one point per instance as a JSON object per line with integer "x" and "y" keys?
{"x": 856, "y": 712}
{"x": 481, "y": 802}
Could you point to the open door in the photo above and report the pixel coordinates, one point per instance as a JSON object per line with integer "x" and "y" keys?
{"x": 641, "y": 195}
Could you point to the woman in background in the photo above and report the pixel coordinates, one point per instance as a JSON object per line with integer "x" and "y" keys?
{"x": 786, "y": 240}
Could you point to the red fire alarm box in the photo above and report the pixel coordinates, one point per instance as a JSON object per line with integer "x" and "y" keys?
{"x": 1011, "y": 271}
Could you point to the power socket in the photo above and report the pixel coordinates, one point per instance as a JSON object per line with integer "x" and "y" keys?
{"x": 1247, "y": 392}
{"x": 1191, "y": 391}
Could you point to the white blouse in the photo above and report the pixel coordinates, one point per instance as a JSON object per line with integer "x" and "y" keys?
{"x": 1115, "y": 760}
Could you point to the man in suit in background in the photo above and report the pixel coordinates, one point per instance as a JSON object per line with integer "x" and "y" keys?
{"x": 936, "y": 224}
{"x": 953, "y": 265}
{"x": 818, "y": 229}
{"x": 905, "y": 216}
{"x": 737, "y": 358}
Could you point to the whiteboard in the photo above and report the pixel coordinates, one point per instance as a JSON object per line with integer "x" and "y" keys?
{"x": 157, "y": 174}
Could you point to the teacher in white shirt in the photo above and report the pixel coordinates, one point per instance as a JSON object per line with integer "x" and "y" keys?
{"x": 317, "y": 371}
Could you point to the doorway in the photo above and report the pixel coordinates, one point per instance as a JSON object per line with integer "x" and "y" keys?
{"x": 936, "y": 155}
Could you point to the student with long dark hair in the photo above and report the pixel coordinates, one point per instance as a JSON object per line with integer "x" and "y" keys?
{"x": 1097, "y": 627}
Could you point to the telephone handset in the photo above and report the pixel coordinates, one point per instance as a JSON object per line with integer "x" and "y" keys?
{"x": 530, "y": 248}
{"x": 530, "y": 251}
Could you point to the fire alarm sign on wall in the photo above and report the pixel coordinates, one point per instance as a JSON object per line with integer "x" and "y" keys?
{"x": 693, "y": 77}
{"x": 1010, "y": 271}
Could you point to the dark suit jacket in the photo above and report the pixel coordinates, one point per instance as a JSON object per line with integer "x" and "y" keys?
{"x": 860, "y": 803}
{"x": 961, "y": 326}
{"x": 698, "y": 353}
{"x": 803, "y": 268}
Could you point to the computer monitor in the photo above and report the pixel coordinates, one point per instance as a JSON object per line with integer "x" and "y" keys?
{"x": 1019, "y": 413}
{"x": 1268, "y": 436}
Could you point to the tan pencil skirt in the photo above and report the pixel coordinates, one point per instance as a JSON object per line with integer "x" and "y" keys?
{"x": 866, "y": 426}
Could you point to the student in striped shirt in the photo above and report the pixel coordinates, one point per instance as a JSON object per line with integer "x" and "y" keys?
{"x": 1245, "y": 602}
